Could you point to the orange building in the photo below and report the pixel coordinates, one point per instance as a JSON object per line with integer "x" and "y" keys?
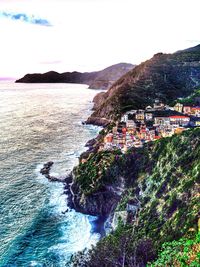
{"x": 179, "y": 130}
{"x": 195, "y": 111}
{"x": 108, "y": 138}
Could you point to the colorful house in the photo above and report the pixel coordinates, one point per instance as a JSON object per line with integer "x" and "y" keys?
{"x": 179, "y": 130}
{"x": 124, "y": 118}
{"x": 195, "y": 121}
{"x": 187, "y": 110}
{"x": 139, "y": 116}
{"x": 178, "y": 107}
{"x": 180, "y": 120}
{"x": 83, "y": 161}
{"x": 148, "y": 116}
{"x": 152, "y": 134}
{"x": 161, "y": 120}
{"x": 130, "y": 124}
{"x": 195, "y": 111}
{"x": 124, "y": 130}
{"x": 108, "y": 138}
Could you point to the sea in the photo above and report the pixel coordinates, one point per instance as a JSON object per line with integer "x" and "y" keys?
{"x": 41, "y": 123}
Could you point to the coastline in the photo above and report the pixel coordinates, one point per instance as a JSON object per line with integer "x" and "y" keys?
{"x": 97, "y": 222}
{"x": 98, "y": 226}
{"x": 54, "y": 133}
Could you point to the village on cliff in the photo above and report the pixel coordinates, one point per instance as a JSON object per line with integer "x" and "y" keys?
{"x": 137, "y": 127}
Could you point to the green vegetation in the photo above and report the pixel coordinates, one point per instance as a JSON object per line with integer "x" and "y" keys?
{"x": 191, "y": 100}
{"x": 92, "y": 175}
{"x": 188, "y": 55}
{"x": 184, "y": 252}
{"x": 162, "y": 178}
{"x": 165, "y": 76}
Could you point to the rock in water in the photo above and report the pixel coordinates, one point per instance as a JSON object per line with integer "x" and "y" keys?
{"x": 46, "y": 168}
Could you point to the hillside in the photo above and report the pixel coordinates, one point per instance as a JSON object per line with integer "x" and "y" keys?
{"x": 105, "y": 78}
{"x": 96, "y": 80}
{"x": 153, "y": 191}
{"x": 165, "y": 76}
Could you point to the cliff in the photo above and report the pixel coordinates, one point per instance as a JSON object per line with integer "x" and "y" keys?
{"x": 165, "y": 76}
{"x": 96, "y": 80}
{"x": 154, "y": 190}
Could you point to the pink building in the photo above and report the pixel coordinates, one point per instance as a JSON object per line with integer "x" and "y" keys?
{"x": 187, "y": 110}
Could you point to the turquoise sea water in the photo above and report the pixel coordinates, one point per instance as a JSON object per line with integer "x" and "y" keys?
{"x": 38, "y": 123}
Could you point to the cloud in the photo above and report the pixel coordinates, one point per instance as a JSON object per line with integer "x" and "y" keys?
{"x": 25, "y": 18}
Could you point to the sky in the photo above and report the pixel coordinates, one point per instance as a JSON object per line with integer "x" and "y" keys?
{"x": 87, "y": 35}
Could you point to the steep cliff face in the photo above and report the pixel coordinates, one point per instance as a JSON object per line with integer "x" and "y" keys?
{"x": 95, "y": 189}
{"x": 159, "y": 181}
{"x": 165, "y": 76}
{"x": 96, "y": 80}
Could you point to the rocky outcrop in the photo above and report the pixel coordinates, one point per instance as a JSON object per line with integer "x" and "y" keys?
{"x": 98, "y": 204}
{"x": 96, "y": 80}
{"x": 97, "y": 121}
{"x": 98, "y": 99}
{"x": 165, "y": 76}
{"x": 97, "y": 184}
{"x": 45, "y": 170}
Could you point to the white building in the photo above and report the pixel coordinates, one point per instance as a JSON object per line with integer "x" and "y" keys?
{"x": 124, "y": 118}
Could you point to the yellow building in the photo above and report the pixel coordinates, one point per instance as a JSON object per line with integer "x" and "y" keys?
{"x": 178, "y": 107}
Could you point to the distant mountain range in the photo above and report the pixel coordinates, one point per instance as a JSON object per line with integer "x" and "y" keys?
{"x": 102, "y": 79}
{"x": 164, "y": 76}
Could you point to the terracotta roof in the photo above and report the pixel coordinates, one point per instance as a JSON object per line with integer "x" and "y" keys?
{"x": 157, "y": 137}
{"x": 179, "y": 117}
{"x": 196, "y": 108}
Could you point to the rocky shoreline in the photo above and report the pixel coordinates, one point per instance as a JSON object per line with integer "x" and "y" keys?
{"x": 46, "y": 172}
{"x": 100, "y": 204}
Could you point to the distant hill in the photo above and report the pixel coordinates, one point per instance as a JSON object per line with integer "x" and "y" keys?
{"x": 164, "y": 76}
{"x": 102, "y": 79}
{"x": 105, "y": 78}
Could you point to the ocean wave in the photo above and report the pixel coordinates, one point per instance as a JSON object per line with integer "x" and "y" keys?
{"x": 76, "y": 236}
{"x": 34, "y": 218}
{"x": 75, "y": 228}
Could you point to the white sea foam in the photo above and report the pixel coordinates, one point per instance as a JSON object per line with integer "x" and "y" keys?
{"x": 76, "y": 236}
{"x": 70, "y": 153}
{"x": 35, "y": 264}
{"x": 33, "y": 217}
{"x": 75, "y": 227}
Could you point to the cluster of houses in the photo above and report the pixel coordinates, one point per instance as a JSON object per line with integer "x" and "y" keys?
{"x": 139, "y": 126}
